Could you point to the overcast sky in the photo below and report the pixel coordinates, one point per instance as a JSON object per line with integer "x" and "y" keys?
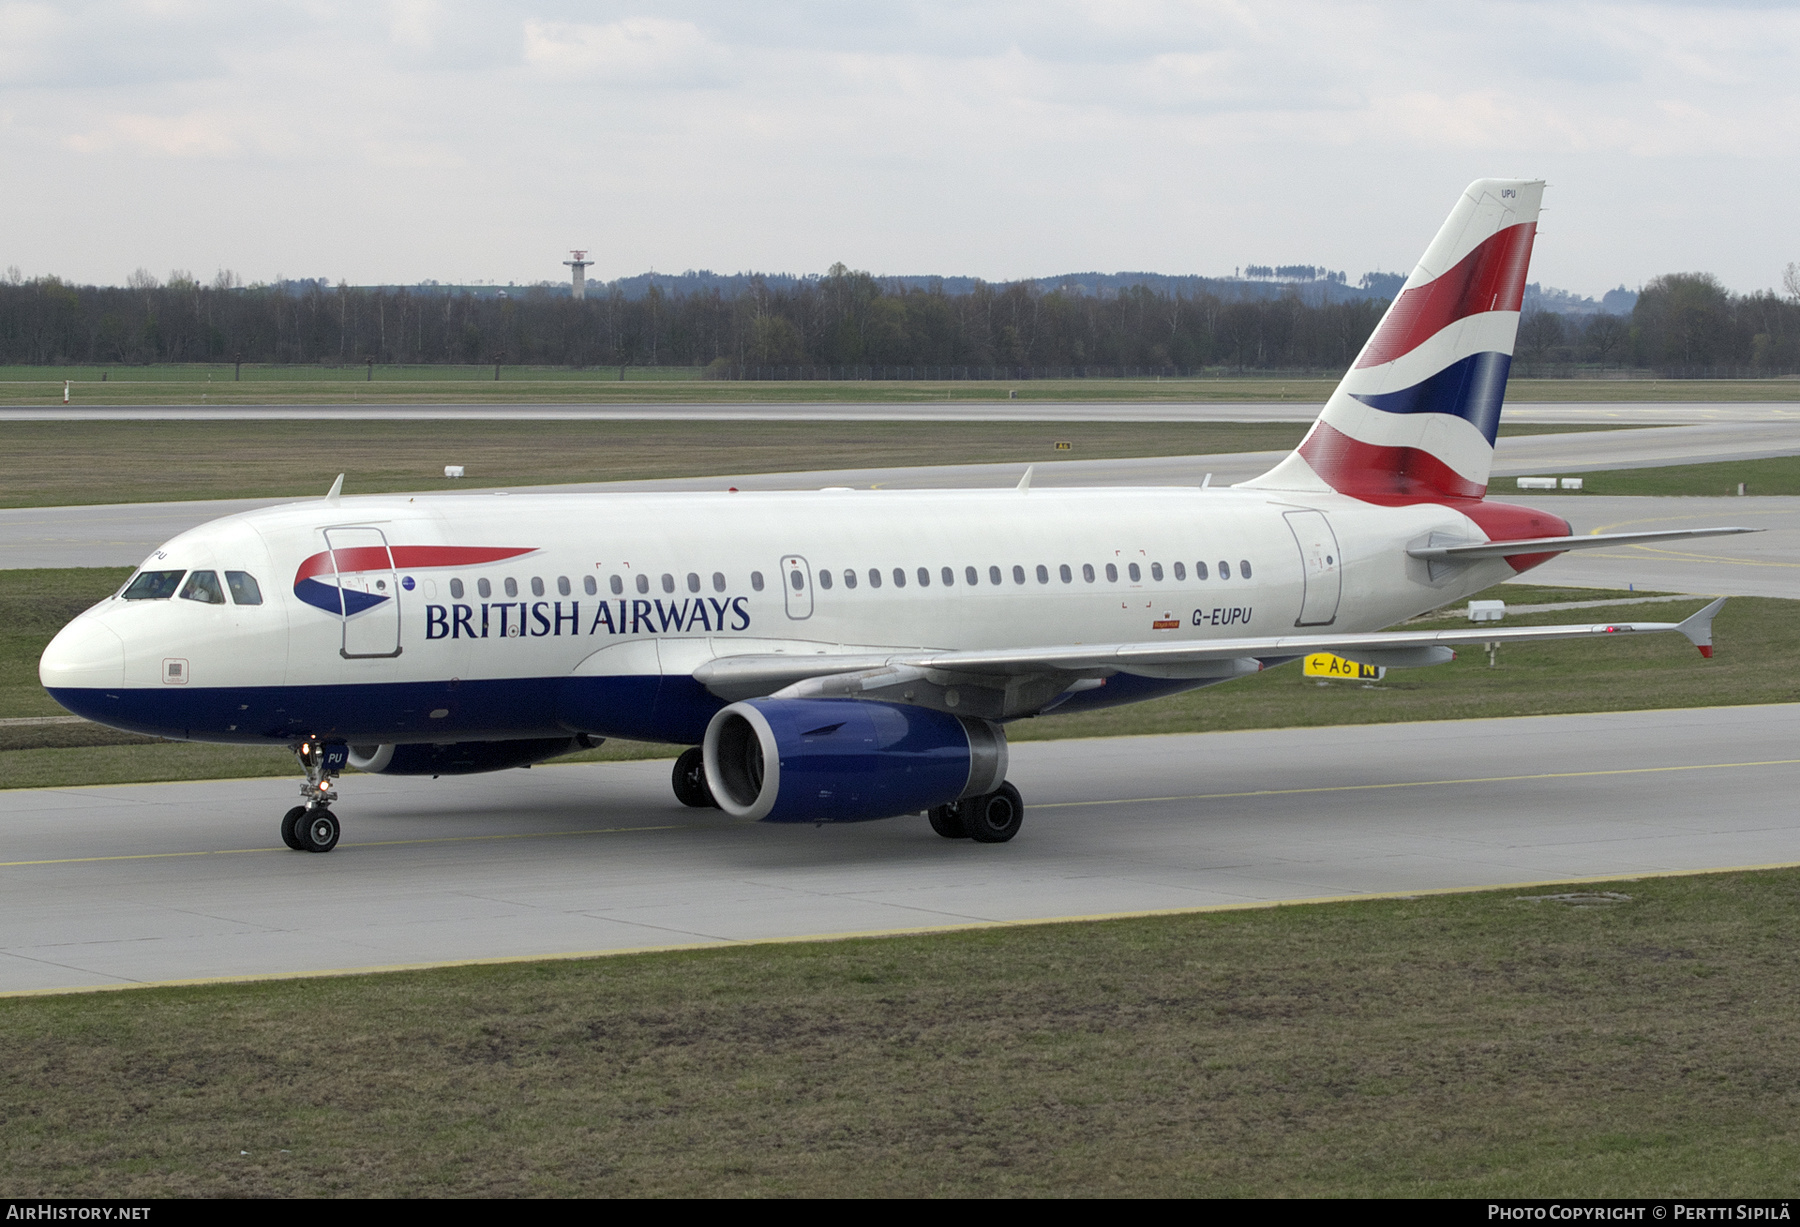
{"x": 419, "y": 139}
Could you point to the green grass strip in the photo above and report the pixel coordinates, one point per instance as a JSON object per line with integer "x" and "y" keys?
{"x": 1641, "y": 1040}
{"x": 1765, "y": 475}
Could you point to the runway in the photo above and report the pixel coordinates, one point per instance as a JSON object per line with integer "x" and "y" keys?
{"x": 158, "y": 882}
{"x": 123, "y": 534}
{"x": 1637, "y": 413}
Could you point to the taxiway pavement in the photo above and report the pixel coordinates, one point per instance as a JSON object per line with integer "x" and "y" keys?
{"x": 156, "y": 882}
{"x": 1634, "y": 413}
{"x": 123, "y": 534}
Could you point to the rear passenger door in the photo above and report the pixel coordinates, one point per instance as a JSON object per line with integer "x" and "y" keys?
{"x": 1320, "y": 564}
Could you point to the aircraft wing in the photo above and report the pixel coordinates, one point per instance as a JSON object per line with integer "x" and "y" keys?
{"x": 1003, "y": 683}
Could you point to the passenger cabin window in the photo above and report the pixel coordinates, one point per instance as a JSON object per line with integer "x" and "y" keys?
{"x": 1155, "y": 571}
{"x": 693, "y": 581}
{"x": 849, "y": 578}
{"x": 512, "y": 586}
{"x": 1181, "y": 570}
{"x": 589, "y": 586}
{"x": 1243, "y": 568}
{"x": 994, "y": 576}
{"x": 1063, "y": 573}
{"x": 797, "y": 580}
{"x": 1136, "y": 575}
{"x": 924, "y": 577}
{"x": 1112, "y": 574}
{"x": 1043, "y": 573}
{"x": 949, "y": 576}
{"x": 874, "y": 577}
{"x": 756, "y": 581}
{"x": 1199, "y": 570}
{"x": 485, "y": 589}
{"x": 537, "y": 586}
{"x": 719, "y": 581}
{"x": 153, "y": 586}
{"x": 1224, "y": 569}
{"x": 244, "y": 588}
{"x": 203, "y": 586}
{"x": 1087, "y": 572}
{"x": 668, "y": 582}
{"x": 899, "y": 577}
{"x": 617, "y": 585}
{"x": 971, "y": 576}
{"x": 456, "y": 589}
{"x": 1018, "y": 574}
{"x": 562, "y": 585}
{"x": 643, "y": 583}
{"x": 824, "y": 578}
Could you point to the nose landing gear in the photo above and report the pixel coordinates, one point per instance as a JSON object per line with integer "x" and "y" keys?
{"x": 313, "y": 827}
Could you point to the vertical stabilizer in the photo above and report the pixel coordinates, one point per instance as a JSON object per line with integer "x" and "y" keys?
{"x": 1415, "y": 417}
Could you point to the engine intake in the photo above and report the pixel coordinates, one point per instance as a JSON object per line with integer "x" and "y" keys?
{"x": 462, "y": 757}
{"x": 846, "y": 760}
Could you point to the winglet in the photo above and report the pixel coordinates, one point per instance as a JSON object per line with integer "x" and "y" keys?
{"x": 337, "y": 488}
{"x": 1025, "y": 481}
{"x": 1698, "y": 628}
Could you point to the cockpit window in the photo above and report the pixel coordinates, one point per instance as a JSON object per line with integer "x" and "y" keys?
{"x": 244, "y": 588}
{"x": 153, "y": 586}
{"x": 203, "y": 586}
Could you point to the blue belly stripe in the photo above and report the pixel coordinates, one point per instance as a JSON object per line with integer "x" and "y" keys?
{"x": 640, "y": 708}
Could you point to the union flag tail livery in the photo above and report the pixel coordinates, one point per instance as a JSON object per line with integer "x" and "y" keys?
{"x": 1414, "y": 419}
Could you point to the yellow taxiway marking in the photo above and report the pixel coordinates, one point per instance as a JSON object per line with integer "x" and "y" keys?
{"x": 374, "y": 843}
{"x": 962, "y": 926}
{"x": 1638, "y": 551}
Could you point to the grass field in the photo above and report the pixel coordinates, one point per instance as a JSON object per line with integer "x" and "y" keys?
{"x": 1770, "y": 475}
{"x": 213, "y": 384}
{"x": 1758, "y": 661}
{"x": 61, "y": 463}
{"x": 1642, "y": 1040}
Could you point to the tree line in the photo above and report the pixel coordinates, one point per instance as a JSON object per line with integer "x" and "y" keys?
{"x": 1683, "y": 324}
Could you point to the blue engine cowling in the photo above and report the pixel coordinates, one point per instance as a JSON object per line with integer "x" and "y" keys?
{"x": 846, "y": 760}
{"x": 462, "y": 757}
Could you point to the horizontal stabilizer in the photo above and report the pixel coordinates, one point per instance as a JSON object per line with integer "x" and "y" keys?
{"x": 1556, "y": 545}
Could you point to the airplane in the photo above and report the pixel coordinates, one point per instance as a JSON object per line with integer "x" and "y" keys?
{"x": 844, "y": 655}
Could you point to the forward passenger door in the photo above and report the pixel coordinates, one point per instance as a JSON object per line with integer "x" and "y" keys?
{"x": 368, "y": 591}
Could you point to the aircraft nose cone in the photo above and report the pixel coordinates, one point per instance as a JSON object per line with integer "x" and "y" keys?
{"x": 85, "y": 655}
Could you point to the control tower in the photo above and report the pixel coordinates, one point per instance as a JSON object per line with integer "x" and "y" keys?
{"x": 578, "y": 288}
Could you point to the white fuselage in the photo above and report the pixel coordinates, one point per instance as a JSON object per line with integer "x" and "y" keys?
{"x": 634, "y": 589}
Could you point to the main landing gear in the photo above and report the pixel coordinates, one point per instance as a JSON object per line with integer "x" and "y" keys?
{"x": 992, "y": 818}
{"x": 313, "y": 827}
{"x": 691, "y": 788}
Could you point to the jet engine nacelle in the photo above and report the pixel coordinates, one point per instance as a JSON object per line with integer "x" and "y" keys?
{"x": 846, "y": 760}
{"x": 461, "y": 757}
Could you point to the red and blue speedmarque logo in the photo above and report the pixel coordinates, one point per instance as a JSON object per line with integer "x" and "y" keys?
{"x": 350, "y": 575}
